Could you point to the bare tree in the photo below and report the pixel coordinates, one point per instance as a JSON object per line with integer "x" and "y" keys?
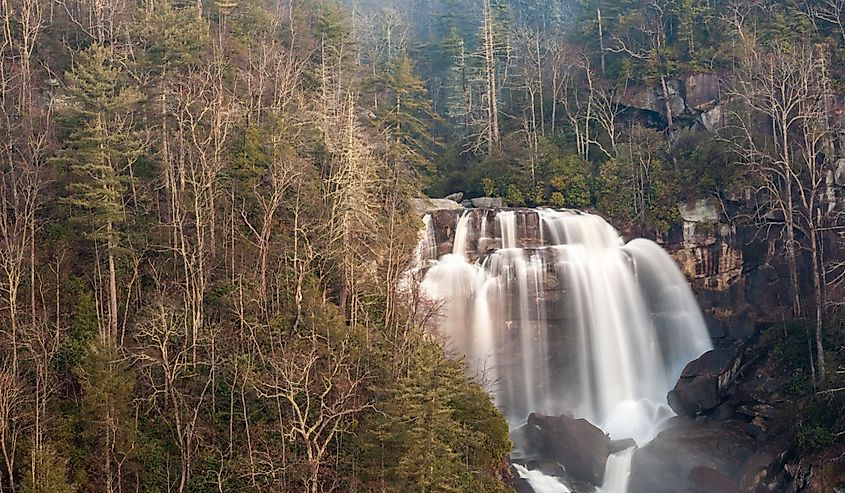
{"x": 782, "y": 135}
{"x": 321, "y": 386}
{"x": 179, "y": 385}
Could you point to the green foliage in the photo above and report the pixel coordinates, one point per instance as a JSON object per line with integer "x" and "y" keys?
{"x": 434, "y": 430}
{"x": 99, "y": 145}
{"x": 789, "y": 346}
{"x": 514, "y": 196}
{"x": 569, "y": 180}
{"x": 814, "y": 437}
{"x": 819, "y": 419}
{"x": 706, "y": 166}
{"x": 822, "y": 420}
{"x": 49, "y": 473}
{"x": 174, "y": 37}
{"x": 639, "y": 185}
{"x": 83, "y": 329}
{"x": 407, "y": 117}
{"x": 798, "y": 385}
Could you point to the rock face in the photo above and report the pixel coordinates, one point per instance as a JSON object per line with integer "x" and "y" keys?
{"x": 487, "y": 202}
{"x": 422, "y": 206}
{"x": 708, "y": 480}
{"x": 581, "y": 448}
{"x": 695, "y": 95}
{"x": 455, "y": 197}
{"x": 737, "y": 270}
{"x": 688, "y": 453}
{"x": 703, "y": 382}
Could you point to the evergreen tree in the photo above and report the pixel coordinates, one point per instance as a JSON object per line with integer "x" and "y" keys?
{"x": 99, "y": 151}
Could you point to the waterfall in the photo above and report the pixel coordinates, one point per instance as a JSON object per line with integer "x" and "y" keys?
{"x": 559, "y": 315}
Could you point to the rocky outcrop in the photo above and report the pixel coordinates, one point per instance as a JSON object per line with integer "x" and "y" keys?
{"x": 736, "y": 269}
{"x": 487, "y": 202}
{"x": 703, "y": 382}
{"x": 696, "y": 95}
{"x": 685, "y": 453}
{"x": 708, "y": 480}
{"x": 423, "y": 206}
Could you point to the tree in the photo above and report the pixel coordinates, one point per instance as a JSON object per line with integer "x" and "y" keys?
{"x": 322, "y": 388}
{"x": 782, "y": 134}
{"x": 100, "y": 150}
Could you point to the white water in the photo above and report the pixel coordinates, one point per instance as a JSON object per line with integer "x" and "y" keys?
{"x": 541, "y": 483}
{"x": 566, "y": 318}
{"x": 617, "y": 471}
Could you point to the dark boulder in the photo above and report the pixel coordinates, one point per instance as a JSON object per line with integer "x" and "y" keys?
{"x": 580, "y": 447}
{"x": 547, "y": 467}
{"x": 672, "y": 462}
{"x": 521, "y": 485}
{"x": 620, "y": 445}
{"x": 703, "y": 382}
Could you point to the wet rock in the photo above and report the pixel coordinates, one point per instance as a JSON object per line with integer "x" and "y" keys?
{"x": 547, "y": 467}
{"x": 620, "y": 445}
{"x": 673, "y": 460}
{"x": 580, "y": 447}
{"x": 520, "y": 485}
{"x": 709, "y": 480}
{"x": 703, "y": 382}
{"x": 487, "y": 202}
{"x": 455, "y": 197}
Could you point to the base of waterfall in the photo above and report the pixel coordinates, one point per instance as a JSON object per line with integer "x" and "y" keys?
{"x": 567, "y": 455}
{"x": 558, "y": 454}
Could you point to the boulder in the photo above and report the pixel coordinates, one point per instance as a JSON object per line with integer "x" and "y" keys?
{"x": 521, "y": 485}
{"x": 580, "y": 447}
{"x": 703, "y": 382}
{"x": 545, "y": 466}
{"x": 689, "y": 452}
{"x": 455, "y": 197}
{"x": 422, "y": 206}
{"x": 487, "y": 202}
{"x": 712, "y": 118}
{"x": 623, "y": 444}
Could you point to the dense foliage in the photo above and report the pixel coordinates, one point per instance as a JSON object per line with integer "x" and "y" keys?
{"x": 205, "y": 222}
{"x": 205, "y": 214}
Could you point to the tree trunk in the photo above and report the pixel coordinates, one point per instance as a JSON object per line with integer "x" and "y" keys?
{"x": 819, "y": 295}
{"x": 112, "y": 287}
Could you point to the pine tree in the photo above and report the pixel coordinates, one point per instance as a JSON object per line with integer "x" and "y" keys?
{"x": 100, "y": 148}
{"x": 409, "y": 120}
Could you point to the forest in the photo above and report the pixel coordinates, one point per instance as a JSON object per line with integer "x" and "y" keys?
{"x": 206, "y": 216}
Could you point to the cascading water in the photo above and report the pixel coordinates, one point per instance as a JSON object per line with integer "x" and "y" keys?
{"x": 560, "y": 316}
